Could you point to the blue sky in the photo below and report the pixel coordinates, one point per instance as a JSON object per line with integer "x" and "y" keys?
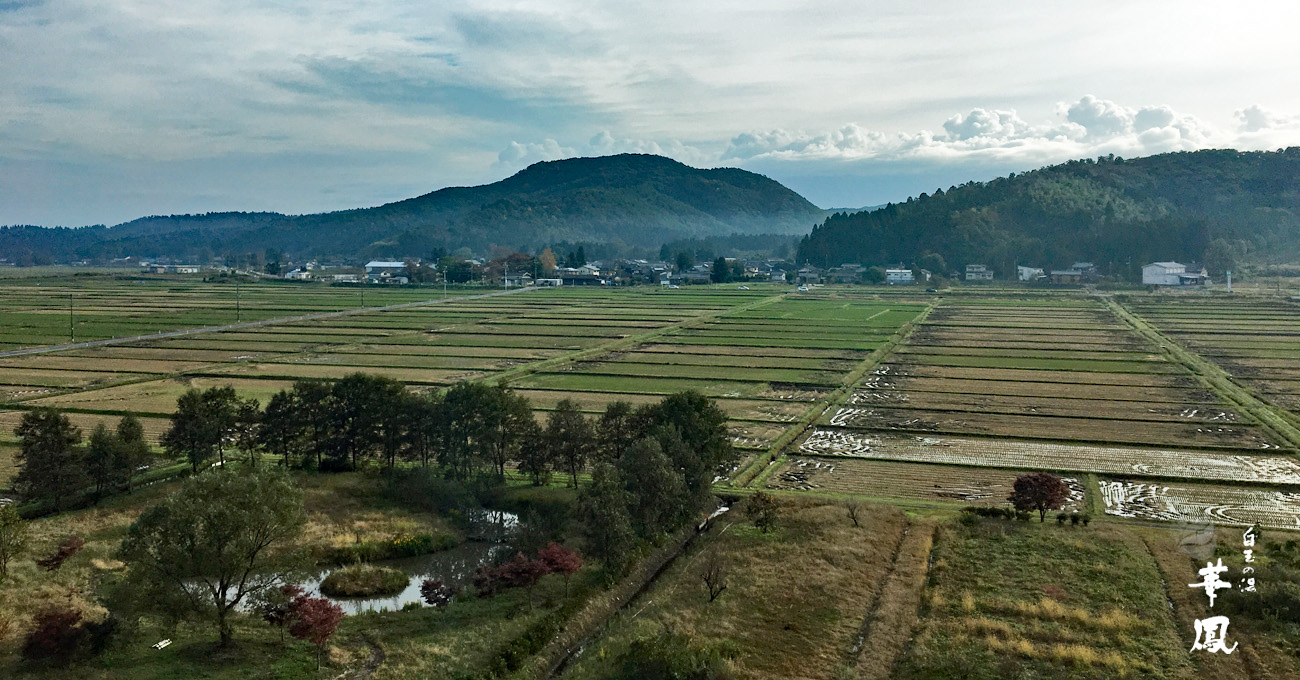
{"x": 114, "y": 109}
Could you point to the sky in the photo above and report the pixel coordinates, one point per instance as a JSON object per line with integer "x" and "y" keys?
{"x": 116, "y": 109}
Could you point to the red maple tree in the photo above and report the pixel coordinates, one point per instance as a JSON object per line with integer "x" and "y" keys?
{"x": 314, "y": 619}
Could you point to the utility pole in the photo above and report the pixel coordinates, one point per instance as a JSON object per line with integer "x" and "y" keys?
{"x": 239, "y": 312}
{"x": 72, "y": 326}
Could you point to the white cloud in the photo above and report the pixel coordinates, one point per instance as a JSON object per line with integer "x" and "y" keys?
{"x": 1086, "y": 127}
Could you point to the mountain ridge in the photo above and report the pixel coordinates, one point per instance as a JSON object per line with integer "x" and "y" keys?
{"x": 636, "y": 199}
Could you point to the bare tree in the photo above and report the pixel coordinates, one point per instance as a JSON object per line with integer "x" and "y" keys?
{"x": 714, "y": 574}
{"x": 853, "y": 508}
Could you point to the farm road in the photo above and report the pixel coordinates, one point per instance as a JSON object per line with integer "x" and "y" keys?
{"x": 46, "y": 349}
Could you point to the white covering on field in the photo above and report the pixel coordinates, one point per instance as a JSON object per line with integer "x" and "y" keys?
{"x": 1220, "y": 504}
{"x": 1014, "y": 453}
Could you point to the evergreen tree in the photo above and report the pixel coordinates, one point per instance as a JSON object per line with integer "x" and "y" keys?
{"x": 100, "y": 457}
{"x": 50, "y": 464}
{"x": 131, "y": 452}
{"x": 658, "y": 496}
{"x": 570, "y": 437}
{"x": 603, "y": 518}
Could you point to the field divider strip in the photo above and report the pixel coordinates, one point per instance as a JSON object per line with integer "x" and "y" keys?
{"x": 759, "y": 470}
{"x": 1214, "y": 378}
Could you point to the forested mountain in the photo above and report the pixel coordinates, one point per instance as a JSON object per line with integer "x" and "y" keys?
{"x": 1217, "y": 206}
{"x": 637, "y": 199}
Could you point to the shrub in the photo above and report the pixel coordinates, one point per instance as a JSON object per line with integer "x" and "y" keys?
{"x": 669, "y": 656}
{"x": 69, "y": 547}
{"x": 55, "y": 637}
{"x": 763, "y": 510}
{"x": 1085, "y": 518}
{"x": 1060, "y": 518}
{"x": 364, "y": 581}
{"x": 436, "y": 593}
{"x": 406, "y": 545}
{"x": 1074, "y": 519}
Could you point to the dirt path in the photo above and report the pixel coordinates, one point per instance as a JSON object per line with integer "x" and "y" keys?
{"x": 371, "y": 664}
{"x": 592, "y": 619}
{"x": 892, "y": 620}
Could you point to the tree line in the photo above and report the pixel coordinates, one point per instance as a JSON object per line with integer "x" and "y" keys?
{"x": 1218, "y": 207}
{"x": 471, "y": 430}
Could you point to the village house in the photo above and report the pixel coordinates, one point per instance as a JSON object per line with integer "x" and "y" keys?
{"x": 978, "y": 272}
{"x": 1173, "y": 274}
{"x": 1067, "y": 276}
{"x": 899, "y": 276}
{"x": 380, "y": 270}
{"x": 808, "y": 275}
{"x": 1024, "y": 273}
{"x": 846, "y": 273}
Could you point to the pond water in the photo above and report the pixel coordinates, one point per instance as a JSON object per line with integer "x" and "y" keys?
{"x": 490, "y": 532}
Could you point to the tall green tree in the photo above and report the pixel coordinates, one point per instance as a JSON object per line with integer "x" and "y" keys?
{"x": 132, "y": 451}
{"x": 50, "y": 463}
{"x": 657, "y": 496}
{"x": 721, "y": 272}
{"x": 101, "y": 457}
{"x": 358, "y": 406}
{"x": 615, "y": 431}
{"x": 212, "y": 545}
{"x": 192, "y": 434}
{"x": 571, "y": 438}
{"x": 603, "y": 518}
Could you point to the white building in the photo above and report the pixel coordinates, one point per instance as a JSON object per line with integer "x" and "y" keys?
{"x": 378, "y": 268}
{"x": 1163, "y": 274}
{"x": 1173, "y": 274}
{"x": 1029, "y": 273}
{"x": 978, "y": 272}
{"x": 899, "y": 277}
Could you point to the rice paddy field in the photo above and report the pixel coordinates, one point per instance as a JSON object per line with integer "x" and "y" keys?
{"x": 768, "y": 356}
{"x": 985, "y": 386}
{"x": 915, "y": 398}
{"x": 1256, "y": 340}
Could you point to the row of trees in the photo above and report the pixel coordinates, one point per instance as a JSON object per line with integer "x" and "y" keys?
{"x": 470, "y": 430}
{"x": 54, "y": 467}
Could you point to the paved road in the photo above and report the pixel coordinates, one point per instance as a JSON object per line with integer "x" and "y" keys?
{"x": 248, "y": 324}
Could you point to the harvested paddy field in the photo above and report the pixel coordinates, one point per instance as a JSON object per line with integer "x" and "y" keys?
{"x": 768, "y": 357}
{"x": 769, "y": 361}
{"x": 909, "y": 481}
{"x": 1027, "y": 454}
{"x": 1255, "y": 340}
{"x": 1062, "y": 370}
{"x": 1231, "y": 505}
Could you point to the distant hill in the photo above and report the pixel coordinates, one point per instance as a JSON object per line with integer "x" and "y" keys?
{"x": 637, "y": 199}
{"x": 1222, "y": 207}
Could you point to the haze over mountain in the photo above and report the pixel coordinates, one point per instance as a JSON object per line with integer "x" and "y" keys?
{"x": 635, "y": 199}
{"x": 1222, "y": 206}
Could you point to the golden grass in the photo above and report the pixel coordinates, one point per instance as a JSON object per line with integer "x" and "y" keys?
{"x": 796, "y": 600}
{"x": 895, "y": 617}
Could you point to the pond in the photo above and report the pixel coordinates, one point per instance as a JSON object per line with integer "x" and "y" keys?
{"x": 490, "y": 532}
